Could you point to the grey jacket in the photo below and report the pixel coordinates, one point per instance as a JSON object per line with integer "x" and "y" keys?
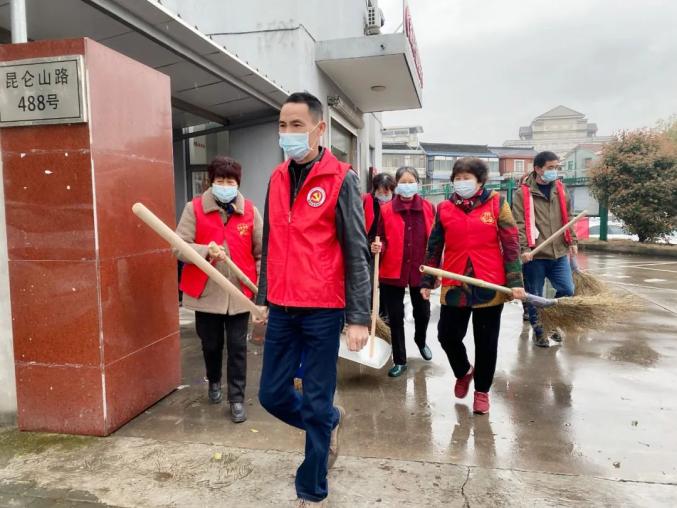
{"x": 214, "y": 299}
{"x": 548, "y": 219}
{"x": 356, "y": 257}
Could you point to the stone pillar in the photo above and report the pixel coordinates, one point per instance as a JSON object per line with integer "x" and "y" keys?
{"x": 93, "y": 290}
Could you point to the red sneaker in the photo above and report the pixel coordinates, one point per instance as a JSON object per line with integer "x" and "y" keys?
{"x": 463, "y": 384}
{"x": 481, "y": 404}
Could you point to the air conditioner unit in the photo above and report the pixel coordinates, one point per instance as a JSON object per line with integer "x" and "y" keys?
{"x": 375, "y": 19}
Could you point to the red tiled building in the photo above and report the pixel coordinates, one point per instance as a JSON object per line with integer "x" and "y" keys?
{"x": 514, "y": 161}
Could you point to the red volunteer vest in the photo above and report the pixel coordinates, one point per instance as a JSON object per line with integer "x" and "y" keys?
{"x": 305, "y": 261}
{"x": 529, "y": 218}
{"x": 368, "y": 205}
{"x": 391, "y": 259}
{"x": 472, "y": 236}
{"x": 237, "y": 234}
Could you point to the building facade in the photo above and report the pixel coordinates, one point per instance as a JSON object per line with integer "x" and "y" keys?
{"x": 514, "y": 162}
{"x": 580, "y": 159}
{"x": 442, "y": 156}
{"x": 401, "y": 147}
{"x": 558, "y": 130}
{"x": 232, "y": 65}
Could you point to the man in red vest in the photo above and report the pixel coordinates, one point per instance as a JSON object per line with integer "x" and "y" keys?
{"x": 314, "y": 277}
{"x": 541, "y": 206}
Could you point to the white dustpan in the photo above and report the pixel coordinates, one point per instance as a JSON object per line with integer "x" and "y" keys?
{"x": 374, "y": 357}
{"x": 377, "y": 351}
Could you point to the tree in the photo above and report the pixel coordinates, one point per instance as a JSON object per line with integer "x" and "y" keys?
{"x": 636, "y": 176}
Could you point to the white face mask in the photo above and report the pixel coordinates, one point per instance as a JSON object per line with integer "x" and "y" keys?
{"x": 224, "y": 193}
{"x": 296, "y": 145}
{"x": 465, "y": 188}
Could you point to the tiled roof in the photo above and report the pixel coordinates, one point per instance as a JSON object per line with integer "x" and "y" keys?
{"x": 517, "y": 151}
{"x": 453, "y": 149}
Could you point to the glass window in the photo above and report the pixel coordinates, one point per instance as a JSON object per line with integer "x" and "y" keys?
{"x": 343, "y": 143}
{"x": 519, "y": 166}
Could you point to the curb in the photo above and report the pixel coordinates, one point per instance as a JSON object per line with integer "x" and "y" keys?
{"x": 625, "y": 247}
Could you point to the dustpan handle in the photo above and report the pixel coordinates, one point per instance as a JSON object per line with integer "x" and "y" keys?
{"x": 374, "y": 302}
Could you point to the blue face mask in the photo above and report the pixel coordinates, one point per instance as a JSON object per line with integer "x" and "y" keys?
{"x": 224, "y": 193}
{"x": 406, "y": 190}
{"x": 549, "y": 175}
{"x": 465, "y": 188}
{"x": 384, "y": 198}
{"x": 296, "y": 145}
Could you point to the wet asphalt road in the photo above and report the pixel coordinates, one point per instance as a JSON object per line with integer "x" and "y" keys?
{"x": 601, "y": 404}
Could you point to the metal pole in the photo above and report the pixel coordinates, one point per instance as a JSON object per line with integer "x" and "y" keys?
{"x": 603, "y": 220}
{"x": 19, "y": 26}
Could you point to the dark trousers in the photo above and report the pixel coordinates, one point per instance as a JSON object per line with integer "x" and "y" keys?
{"x": 394, "y": 301}
{"x": 210, "y": 328}
{"x": 315, "y": 334}
{"x": 486, "y": 323}
{"x": 558, "y": 272}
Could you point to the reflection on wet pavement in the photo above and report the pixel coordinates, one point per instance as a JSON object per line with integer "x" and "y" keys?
{"x": 603, "y": 403}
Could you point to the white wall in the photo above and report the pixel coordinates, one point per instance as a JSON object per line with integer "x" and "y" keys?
{"x": 7, "y": 379}
{"x": 257, "y": 150}
{"x": 325, "y": 19}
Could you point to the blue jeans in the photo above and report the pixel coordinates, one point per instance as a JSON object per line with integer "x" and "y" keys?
{"x": 558, "y": 272}
{"x": 316, "y": 334}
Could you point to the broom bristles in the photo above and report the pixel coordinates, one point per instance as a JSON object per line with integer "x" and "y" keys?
{"x": 588, "y": 285}
{"x": 578, "y": 313}
{"x": 383, "y": 330}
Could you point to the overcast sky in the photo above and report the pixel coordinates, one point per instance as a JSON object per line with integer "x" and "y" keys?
{"x": 491, "y": 66}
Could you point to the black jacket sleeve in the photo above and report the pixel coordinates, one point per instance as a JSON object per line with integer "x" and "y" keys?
{"x": 356, "y": 256}
{"x": 261, "y": 296}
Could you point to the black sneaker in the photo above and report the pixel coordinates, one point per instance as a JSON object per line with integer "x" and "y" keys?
{"x": 238, "y": 413}
{"x": 556, "y": 336}
{"x": 541, "y": 341}
{"x": 215, "y": 394}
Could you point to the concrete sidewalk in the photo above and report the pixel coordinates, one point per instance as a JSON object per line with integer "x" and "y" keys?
{"x": 49, "y": 470}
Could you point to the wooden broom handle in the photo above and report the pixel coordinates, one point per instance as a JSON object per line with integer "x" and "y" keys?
{"x": 559, "y": 232}
{"x": 374, "y": 302}
{"x": 236, "y": 270}
{"x": 462, "y": 278}
{"x": 192, "y": 255}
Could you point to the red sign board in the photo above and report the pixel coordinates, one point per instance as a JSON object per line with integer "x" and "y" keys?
{"x": 411, "y": 36}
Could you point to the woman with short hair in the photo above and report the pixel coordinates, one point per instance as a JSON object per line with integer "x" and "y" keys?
{"x": 222, "y": 215}
{"x": 403, "y": 229}
{"x": 383, "y": 186}
{"x": 476, "y": 232}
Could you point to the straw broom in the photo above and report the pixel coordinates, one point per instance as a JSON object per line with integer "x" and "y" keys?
{"x": 586, "y": 284}
{"x": 579, "y": 313}
{"x": 569, "y": 314}
{"x": 191, "y": 255}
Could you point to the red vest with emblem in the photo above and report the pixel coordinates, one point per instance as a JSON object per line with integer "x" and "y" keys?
{"x": 237, "y": 234}
{"x": 368, "y": 205}
{"x": 473, "y": 236}
{"x": 391, "y": 259}
{"x": 530, "y": 219}
{"x": 305, "y": 261}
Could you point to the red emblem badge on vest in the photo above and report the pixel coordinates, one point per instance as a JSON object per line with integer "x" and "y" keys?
{"x": 487, "y": 218}
{"x": 316, "y": 197}
{"x": 243, "y": 229}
